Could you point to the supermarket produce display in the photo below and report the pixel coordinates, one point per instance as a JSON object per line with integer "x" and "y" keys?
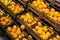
{"x": 29, "y": 20}
{"x": 40, "y": 29}
{"x": 40, "y": 5}
{"x": 44, "y": 7}
{"x": 50, "y": 11}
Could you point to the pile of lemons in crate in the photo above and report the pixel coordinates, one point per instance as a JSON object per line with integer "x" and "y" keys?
{"x": 5, "y": 19}
{"x": 14, "y": 7}
{"x": 29, "y": 19}
{"x": 17, "y": 33}
{"x": 44, "y": 7}
{"x": 43, "y": 31}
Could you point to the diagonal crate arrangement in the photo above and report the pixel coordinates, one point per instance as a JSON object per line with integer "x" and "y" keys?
{"x": 50, "y": 15}
{"x": 16, "y": 33}
{"x": 13, "y": 7}
{"x": 35, "y": 26}
{"x": 13, "y": 30}
{"x": 22, "y": 20}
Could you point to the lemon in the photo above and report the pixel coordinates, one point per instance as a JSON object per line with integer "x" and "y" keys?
{"x": 24, "y": 39}
{"x": 20, "y": 36}
{"x": 22, "y": 27}
{"x": 14, "y": 27}
{"x": 39, "y": 24}
{"x": 17, "y": 39}
{"x": 36, "y": 27}
{"x": 9, "y": 29}
{"x": 52, "y": 10}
